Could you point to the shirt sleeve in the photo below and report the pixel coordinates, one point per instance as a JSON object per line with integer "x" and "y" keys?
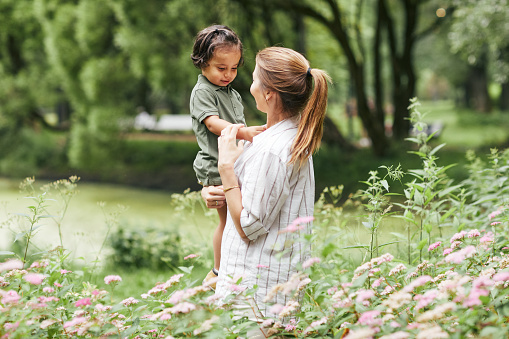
{"x": 264, "y": 192}
{"x": 204, "y": 105}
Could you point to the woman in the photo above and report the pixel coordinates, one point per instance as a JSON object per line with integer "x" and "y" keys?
{"x": 268, "y": 183}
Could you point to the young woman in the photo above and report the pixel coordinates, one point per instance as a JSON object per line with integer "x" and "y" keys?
{"x": 269, "y": 182}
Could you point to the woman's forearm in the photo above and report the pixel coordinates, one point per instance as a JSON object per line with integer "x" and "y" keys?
{"x": 233, "y": 197}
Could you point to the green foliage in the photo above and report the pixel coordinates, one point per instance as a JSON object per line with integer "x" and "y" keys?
{"x": 146, "y": 247}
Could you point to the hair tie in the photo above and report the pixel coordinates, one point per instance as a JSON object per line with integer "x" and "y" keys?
{"x": 308, "y": 73}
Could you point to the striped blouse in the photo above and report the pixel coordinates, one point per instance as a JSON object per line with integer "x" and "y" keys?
{"x": 273, "y": 195}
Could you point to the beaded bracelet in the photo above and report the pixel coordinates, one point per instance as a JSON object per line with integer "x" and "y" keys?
{"x": 230, "y": 188}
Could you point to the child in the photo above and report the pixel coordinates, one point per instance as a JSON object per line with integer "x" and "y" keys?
{"x": 214, "y": 104}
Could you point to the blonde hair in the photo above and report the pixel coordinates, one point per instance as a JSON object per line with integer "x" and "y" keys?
{"x": 287, "y": 73}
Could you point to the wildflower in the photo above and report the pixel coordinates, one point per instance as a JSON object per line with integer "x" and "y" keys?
{"x": 458, "y": 236}
{"x": 310, "y": 262}
{"x": 435, "y": 332}
{"x": 362, "y": 333}
{"x": 184, "y": 307}
{"x": 425, "y": 299}
{"x": 417, "y": 282}
{"x": 290, "y": 307}
{"x": 368, "y": 318}
{"x": 191, "y": 256}
{"x": 494, "y": 214}
{"x": 437, "y": 313}
{"x": 396, "y": 335}
{"x": 11, "y": 326}
{"x": 297, "y": 224}
{"x": 397, "y": 269}
{"x": 206, "y": 326}
{"x": 455, "y": 244}
{"x": 267, "y": 322}
{"x": 57, "y": 284}
{"x": 74, "y": 322}
{"x": 48, "y": 289}
{"x": 65, "y": 271}
{"x": 398, "y": 299}
{"x": 332, "y": 290}
{"x": 474, "y": 233}
{"x": 458, "y": 257}
{"x": 387, "y": 257}
{"x": 112, "y": 279}
{"x": 130, "y": 301}
{"x": 290, "y": 328}
{"x": 47, "y": 323}
{"x": 3, "y": 283}
{"x": 10, "y": 265}
{"x": 495, "y": 223}
{"x": 315, "y": 324}
{"x": 502, "y": 276}
{"x": 43, "y": 299}
{"x": 447, "y": 251}
{"x": 83, "y": 302}
{"x": 364, "y": 295}
{"x": 434, "y": 246}
{"x": 34, "y": 278}
{"x": 488, "y": 237}
{"x": 237, "y": 288}
{"x": 377, "y": 282}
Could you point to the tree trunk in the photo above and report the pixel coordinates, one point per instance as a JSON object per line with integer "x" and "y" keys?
{"x": 503, "y": 103}
{"x": 477, "y": 84}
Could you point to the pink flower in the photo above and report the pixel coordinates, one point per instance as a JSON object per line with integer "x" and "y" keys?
{"x": 290, "y": 328}
{"x": 473, "y": 297}
{"x": 495, "y": 223}
{"x": 11, "y": 326}
{"x": 422, "y": 280}
{"x": 130, "y": 301}
{"x": 434, "y": 246}
{"x": 297, "y": 224}
{"x": 368, "y": 318}
{"x": 65, "y": 271}
{"x": 494, "y": 214}
{"x": 9, "y": 297}
{"x": 237, "y": 288}
{"x": 12, "y": 264}
{"x": 502, "y": 276}
{"x": 48, "y": 289}
{"x": 458, "y": 257}
{"x": 74, "y": 322}
{"x": 316, "y": 323}
{"x": 364, "y": 295}
{"x": 57, "y": 284}
{"x": 474, "y": 234}
{"x": 83, "y": 302}
{"x": 425, "y": 299}
{"x": 377, "y": 282}
{"x": 112, "y": 279}
{"x": 447, "y": 251}
{"x": 190, "y": 256}
{"x": 458, "y": 236}
{"x": 488, "y": 237}
{"x": 184, "y": 307}
{"x": 95, "y": 292}
{"x": 34, "y": 278}
{"x": 310, "y": 262}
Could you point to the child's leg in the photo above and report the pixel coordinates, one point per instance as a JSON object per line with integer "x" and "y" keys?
{"x": 218, "y": 236}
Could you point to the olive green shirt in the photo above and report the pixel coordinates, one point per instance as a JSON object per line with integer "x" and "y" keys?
{"x": 208, "y": 99}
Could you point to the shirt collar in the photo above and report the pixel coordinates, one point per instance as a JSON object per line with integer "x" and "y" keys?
{"x": 203, "y": 80}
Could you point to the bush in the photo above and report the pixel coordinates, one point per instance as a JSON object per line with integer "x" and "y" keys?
{"x": 148, "y": 248}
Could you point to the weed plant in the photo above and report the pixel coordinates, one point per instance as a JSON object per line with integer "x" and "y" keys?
{"x": 451, "y": 279}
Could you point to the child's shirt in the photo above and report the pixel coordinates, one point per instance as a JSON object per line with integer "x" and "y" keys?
{"x": 208, "y": 99}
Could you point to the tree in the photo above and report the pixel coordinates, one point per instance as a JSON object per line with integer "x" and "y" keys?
{"x": 479, "y": 34}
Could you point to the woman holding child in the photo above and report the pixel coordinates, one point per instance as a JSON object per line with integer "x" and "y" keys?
{"x": 269, "y": 182}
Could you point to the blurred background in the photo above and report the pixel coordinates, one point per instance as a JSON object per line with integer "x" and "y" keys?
{"x": 100, "y": 89}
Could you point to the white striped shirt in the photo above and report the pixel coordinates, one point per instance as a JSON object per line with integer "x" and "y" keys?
{"x": 273, "y": 195}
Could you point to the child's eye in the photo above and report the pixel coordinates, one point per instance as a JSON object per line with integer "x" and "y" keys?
{"x": 221, "y": 68}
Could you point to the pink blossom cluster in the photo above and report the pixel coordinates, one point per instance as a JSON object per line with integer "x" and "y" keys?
{"x": 310, "y": 262}
{"x": 458, "y": 236}
{"x": 112, "y": 279}
{"x": 458, "y": 256}
{"x": 11, "y": 264}
{"x": 422, "y": 280}
{"x": 315, "y": 324}
{"x": 423, "y": 300}
{"x": 297, "y": 225}
{"x": 34, "y": 278}
{"x": 434, "y": 246}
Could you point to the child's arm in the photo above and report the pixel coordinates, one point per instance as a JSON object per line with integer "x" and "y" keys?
{"x": 216, "y": 125}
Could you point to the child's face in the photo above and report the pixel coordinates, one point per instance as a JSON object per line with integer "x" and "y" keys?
{"x": 222, "y": 67}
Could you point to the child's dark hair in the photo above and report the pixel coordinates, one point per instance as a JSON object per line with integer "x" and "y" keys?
{"x": 210, "y": 38}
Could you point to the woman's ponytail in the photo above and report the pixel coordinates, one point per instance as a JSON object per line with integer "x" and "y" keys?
{"x": 310, "y": 129}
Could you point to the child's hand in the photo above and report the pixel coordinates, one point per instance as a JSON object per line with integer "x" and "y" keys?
{"x": 248, "y": 133}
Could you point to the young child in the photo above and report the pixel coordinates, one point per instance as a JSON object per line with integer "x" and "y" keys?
{"x": 214, "y": 104}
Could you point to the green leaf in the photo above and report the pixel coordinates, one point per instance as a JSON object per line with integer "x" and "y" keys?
{"x": 328, "y": 249}
{"x": 385, "y": 184}
{"x": 7, "y": 253}
{"x": 436, "y": 149}
{"x": 186, "y": 269}
{"x": 422, "y": 243}
{"x": 388, "y": 243}
{"x": 134, "y": 327}
{"x": 355, "y": 246}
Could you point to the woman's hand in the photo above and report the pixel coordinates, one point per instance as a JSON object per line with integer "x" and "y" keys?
{"x": 213, "y": 196}
{"x": 229, "y": 151}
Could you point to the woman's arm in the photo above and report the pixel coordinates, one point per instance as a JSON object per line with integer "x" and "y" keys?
{"x": 229, "y": 152}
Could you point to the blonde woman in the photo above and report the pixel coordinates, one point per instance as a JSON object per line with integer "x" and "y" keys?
{"x": 269, "y": 182}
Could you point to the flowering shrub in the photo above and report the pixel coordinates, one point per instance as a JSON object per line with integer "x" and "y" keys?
{"x": 453, "y": 281}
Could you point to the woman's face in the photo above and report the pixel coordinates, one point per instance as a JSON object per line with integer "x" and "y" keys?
{"x": 257, "y": 92}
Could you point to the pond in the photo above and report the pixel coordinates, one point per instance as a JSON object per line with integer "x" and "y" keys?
{"x": 85, "y": 225}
